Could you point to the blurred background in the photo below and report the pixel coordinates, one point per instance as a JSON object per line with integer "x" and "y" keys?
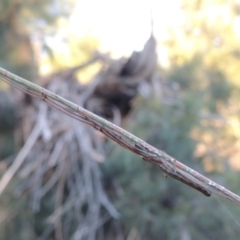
{"x": 167, "y": 71}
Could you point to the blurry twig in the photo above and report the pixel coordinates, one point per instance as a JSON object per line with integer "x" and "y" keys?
{"x": 24, "y": 151}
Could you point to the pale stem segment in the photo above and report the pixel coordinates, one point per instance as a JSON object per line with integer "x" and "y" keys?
{"x": 167, "y": 164}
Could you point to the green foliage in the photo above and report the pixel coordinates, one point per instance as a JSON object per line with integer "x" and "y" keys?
{"x": 7, "y": 108}
{"x": 7, "y": 123}
{"x": 17, "y": 220}
{"x": 19, "y": 21}
{"x": 159, "y": 207}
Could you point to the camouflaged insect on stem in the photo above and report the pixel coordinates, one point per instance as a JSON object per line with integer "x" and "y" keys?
{"x": 167, "y": 164}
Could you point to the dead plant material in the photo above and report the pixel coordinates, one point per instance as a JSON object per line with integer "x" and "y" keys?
{"x": 59, "y": 158}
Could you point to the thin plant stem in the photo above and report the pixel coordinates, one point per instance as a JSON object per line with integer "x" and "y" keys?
{"x": 167, "y": 164}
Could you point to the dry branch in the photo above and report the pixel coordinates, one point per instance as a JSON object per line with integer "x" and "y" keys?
{"x": 167, "y": 164}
